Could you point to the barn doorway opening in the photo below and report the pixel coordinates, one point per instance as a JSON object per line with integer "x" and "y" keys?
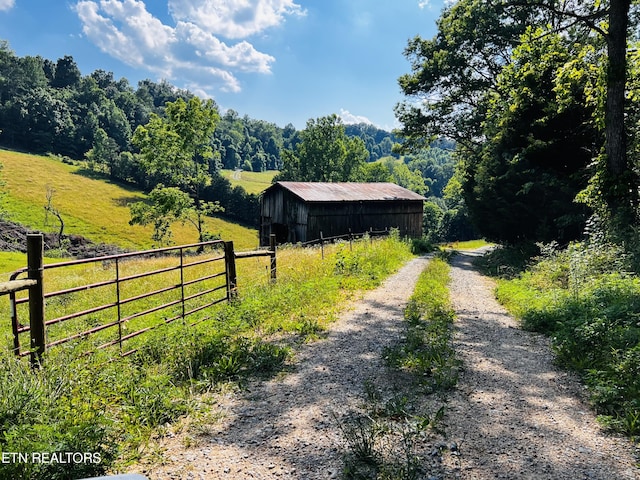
{"x": 281, "y": 231}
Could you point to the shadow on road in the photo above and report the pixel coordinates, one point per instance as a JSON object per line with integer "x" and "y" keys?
{"x": 515, "y": 414}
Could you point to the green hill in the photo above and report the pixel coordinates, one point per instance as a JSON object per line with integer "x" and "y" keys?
{"x": 252, "y": 182}
{"x": 90, "y": 206}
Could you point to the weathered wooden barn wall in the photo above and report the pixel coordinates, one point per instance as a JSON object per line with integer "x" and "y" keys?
{"x": 332, "y": 219}
{"x": 302, "y": 211}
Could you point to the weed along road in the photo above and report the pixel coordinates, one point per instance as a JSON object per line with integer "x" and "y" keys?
{"x": 287, "y": 427}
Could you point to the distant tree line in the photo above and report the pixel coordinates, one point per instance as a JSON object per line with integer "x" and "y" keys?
{"x": 49, "y": 107}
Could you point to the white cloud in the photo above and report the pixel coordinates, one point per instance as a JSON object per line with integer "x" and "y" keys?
{"x": 234, "y": 18}
{"x": 6, "y": 5}
{"x": 126, "y": 31}
{"x": 349, "y": 118}
{"x": 189, "y": 51}
{"x": 241, "y": 56}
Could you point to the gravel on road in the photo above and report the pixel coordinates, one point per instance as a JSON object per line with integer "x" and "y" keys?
{"x": 513, "y": 415}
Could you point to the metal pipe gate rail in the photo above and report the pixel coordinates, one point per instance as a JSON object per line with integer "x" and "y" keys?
{"x": 37, "y": 297}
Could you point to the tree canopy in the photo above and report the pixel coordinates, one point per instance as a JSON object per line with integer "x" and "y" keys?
{"x": 532, "y": 92}
{"x": 535, "y": 158}
{"x": 176, "y": 152}
{"x": 325, "y": 154}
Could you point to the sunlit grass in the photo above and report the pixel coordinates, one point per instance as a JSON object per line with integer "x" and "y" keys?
{"x": 92, "y": 207}
{"x": 315, "y": 285}
{"x": 252, "y": 182}
{"x": 9, "y": 262}
{"x": 94, "y": 405}
{"x": 585, "y": 299}
{"x": 467, "y": 245}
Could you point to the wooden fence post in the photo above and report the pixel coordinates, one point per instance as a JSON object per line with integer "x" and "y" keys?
{"x": 272, "y": 256}
{"x": 35, "y": 265}
{"x": 322, "y": 244}
{"x": 230, "y": 267}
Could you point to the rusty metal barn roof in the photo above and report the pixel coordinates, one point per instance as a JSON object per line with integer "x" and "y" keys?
{"x": 348, "y": 191}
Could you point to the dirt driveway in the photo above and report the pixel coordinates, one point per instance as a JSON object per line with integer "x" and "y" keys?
{"x": 512, "y": 416}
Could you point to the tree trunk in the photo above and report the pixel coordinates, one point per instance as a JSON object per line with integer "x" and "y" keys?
{"x": 620, "y": 186}
{"x": 616, "y": 81}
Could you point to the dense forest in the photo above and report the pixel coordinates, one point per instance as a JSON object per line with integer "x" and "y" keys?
{"x": 50, "y": 107}
{"x": 541, "y": 100}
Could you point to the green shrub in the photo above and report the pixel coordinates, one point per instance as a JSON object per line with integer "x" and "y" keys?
{"x": 421, "y": 246}
{"x": 585, "y": 301}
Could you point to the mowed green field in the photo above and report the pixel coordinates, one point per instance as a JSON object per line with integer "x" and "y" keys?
{"x": 252, "y": 182}
{"x": 90, "y": 206}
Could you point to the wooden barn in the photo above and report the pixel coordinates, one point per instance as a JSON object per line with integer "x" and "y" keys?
{"x": 301, "y": 211}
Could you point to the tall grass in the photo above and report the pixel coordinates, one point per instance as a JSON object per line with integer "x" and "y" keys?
{"x": 585, "y": 301}
{"x": 387, "y": 438}
{"x": 111, "y": 407}
{"x": 427, "y": 349}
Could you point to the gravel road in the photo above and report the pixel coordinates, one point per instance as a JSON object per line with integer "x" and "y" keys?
{"x": 513, "y": 415}
{"x": 286, "y": 427}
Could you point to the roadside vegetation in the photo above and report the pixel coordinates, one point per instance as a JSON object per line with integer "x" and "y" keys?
{"x": 112, "y": 408}
{"x": 385, "y": 438}
{"x": 588, "y": 301}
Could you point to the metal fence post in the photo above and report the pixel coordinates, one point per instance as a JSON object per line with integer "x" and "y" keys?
{"x": 35, "y": 264}
{"x": 230, "y": 266}
{"x": 272, "y": 256}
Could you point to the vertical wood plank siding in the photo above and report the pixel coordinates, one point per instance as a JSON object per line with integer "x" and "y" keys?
{"x": 292, "y": 219}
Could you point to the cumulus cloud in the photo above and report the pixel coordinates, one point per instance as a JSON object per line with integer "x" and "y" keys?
{"x": 126, "y": 31}
{"x": 241, "y": 56}
{"x": 6, "y": 5}
{"x": 191, "y": 50}
{"x": 234, "y": 18}
{"x": 349, "y": 118}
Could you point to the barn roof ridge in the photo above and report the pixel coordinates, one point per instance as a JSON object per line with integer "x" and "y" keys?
{"x": 347, "y": 191}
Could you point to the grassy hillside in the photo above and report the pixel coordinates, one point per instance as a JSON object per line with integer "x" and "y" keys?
{"x": 92, "y": 207}
{"x": 252, "y": 182}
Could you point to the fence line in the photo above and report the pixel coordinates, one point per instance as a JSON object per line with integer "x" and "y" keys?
{"x": 347, "y": 236}
{"x": 213, "y": 283}
{"x": 209, "y": 288}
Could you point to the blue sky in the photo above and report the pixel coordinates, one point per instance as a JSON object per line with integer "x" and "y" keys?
{"x": 284, "y": 61}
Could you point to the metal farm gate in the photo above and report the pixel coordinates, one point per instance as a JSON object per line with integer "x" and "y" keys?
{"x": 177, "y": 284}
